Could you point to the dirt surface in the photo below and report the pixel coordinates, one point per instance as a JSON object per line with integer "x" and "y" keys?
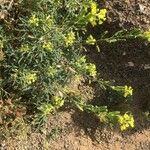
{"x": 129, "y": 13}
{"x": 77, "y": 131}
{"x": 128, "y": 63}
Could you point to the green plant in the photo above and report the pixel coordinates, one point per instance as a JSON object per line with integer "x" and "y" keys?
{"x": 119, "y": 94}
{"x": 45, "y": 109}
{"x": 121, "y": 35}
{"x": 43, "y": 47}
{"x": 125, "y": 121}
{"x": 115, "y": 93}
{"x": 43, "y": 51}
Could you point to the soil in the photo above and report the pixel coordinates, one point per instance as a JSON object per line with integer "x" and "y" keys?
{"x": 77, "y": 131}
{"x": 128, "y": 63}
{"x": 129, "y": 13}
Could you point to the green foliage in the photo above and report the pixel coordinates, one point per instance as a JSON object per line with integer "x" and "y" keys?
{"x": 45, "y": 109}
{"x": 124, "y": 90}
{"x": 121, "y": 35}
{"x": 125, "y": 121}
{"x": 119, "y": 94}
{"x": 116, "y": 94}
{"x": 43, "y": 51}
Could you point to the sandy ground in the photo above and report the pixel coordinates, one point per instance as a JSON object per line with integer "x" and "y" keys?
{"x": 64, "y": 133}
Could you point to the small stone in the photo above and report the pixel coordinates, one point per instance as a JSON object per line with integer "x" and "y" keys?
{"x": 131, "y": 64}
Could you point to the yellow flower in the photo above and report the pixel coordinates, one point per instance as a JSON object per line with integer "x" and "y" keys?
{"x": 131, "y": 123}
{"x": 90, "y": 40}
{"x": 101, "y": 15}
{"x": 24, "y": 48}
{"x": 126, "y": 117}
{"x": 93, "y": 20}
{"x": 127, "y": 125}
{"x": 48, "y": 46}
{"x": 128, "y": 91}
{"x": 125, "y": 90}
{"x": 123, "y": 128}
{"x": 30, "y": 78}
{"x": 126, "y": 121}
{"x": 91, "y": 69}
{"x": 93, "y": 8}
{"x": 57, "y": 101}
{"x": 51, "y": 72}
{"x": 146, "y": 35}
{"x": 46, "y": 108}
{"x": 120, "y": 119}
{"x": 34, "y": 21}
{"x": 70, "y": 38}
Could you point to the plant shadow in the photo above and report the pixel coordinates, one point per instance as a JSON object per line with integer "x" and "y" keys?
{"x": 127, "y": 63}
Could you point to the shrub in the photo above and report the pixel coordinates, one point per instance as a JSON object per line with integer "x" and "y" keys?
{"x": 43, "y": 50}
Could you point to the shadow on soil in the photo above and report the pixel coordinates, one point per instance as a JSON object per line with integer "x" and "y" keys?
{"x": 128, "y": 63}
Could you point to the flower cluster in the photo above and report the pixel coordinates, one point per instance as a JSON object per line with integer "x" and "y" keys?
{"x": 91, "y": 69}
{"x": 97, "y": 15}
{"x": 57, "y": 101}
{"x": 24, "y": 48}
{"x": 127, "y": 91}
{"x": 146, "y": 35}
{"x": 126, "y": 121}
{"x": 33, "y": 20}
{"x": 90, "y": 40}
{"x": 69, "y": 38}
{"x": 47, "y": 108}
{"x": 48, "y": 46}
{"x": 29, "y": 77}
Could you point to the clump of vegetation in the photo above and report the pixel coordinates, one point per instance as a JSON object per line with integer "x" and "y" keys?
{"x": 43, "y": 49}
{"x": 122, "y": 93}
